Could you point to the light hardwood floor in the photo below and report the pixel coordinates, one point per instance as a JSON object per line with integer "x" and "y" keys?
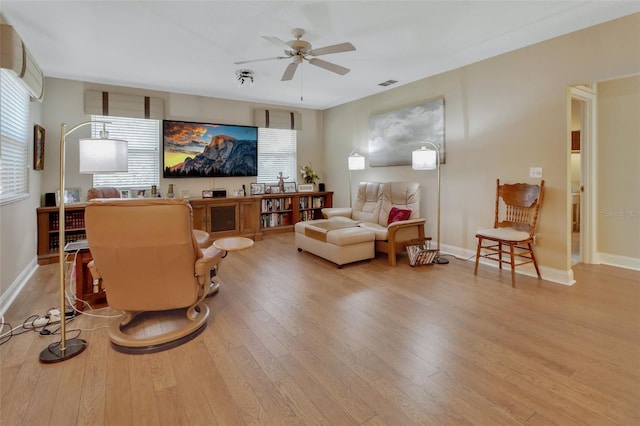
{"x": 292, "y": 339}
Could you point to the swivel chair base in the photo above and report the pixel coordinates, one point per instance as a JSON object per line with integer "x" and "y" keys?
{"x": 131, "y": 344}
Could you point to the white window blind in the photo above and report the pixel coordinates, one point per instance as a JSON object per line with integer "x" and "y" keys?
{"x": 277, "y": 153}
{"x": 14, "y": 124}
{"x": 143, "y": 136}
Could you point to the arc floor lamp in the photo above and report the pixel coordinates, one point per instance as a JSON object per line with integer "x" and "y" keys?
{"x": 355, "y": 162}
{"x": 101, "y": 155}
{"x": 429, "y": 159}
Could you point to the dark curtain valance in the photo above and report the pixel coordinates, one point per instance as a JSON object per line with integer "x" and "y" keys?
{"x": 120, "y": 105}
{"x": 277, "y": 119}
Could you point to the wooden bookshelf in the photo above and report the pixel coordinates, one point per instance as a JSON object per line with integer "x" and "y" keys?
{"x": 280, "y": 212}
{"x": 48, "y": 228}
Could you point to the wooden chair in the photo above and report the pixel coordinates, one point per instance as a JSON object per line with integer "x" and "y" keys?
{"x": 514, "y": 227}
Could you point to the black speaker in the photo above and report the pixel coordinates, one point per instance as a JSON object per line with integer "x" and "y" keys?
{"x": 50, "y": 199}
{"x": 321, "y": 187}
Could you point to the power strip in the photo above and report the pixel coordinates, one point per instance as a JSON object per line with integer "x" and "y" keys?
{"x": 46, "y": 320}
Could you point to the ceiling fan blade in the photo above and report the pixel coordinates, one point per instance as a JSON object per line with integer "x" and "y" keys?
{"x": 336, "y": 48}
{"x": 276, "y": 41}
{"x": 290, "y": 71}
{"x": 263, "y": 59}
{"x": 329, "y": 66}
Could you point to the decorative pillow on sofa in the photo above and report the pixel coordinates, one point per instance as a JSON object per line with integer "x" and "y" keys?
{"x": 396, "y": 215}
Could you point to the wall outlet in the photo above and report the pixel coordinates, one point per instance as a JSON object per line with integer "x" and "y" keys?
{"x": 535, "y": 172}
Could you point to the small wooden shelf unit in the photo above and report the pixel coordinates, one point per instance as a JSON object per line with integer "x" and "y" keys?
{"x": 280, "y": 212}
{"x": 48, "y": 228}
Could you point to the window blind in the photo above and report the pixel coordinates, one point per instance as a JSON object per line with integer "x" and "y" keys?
{"x": 144, "y": 139}
{"x": 14, "y": 122}
{"x": 277, "y": 153}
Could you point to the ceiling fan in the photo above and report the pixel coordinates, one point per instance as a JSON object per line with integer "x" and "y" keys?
{"x": 300, "y": 50}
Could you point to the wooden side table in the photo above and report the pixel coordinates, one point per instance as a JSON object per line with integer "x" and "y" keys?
{"x": 226, "y": 245}
{"x": 233, "y": 244}
{"x": 84, "y": 281}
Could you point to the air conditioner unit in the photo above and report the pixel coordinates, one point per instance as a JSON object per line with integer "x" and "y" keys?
{"x": 15, "y": 56}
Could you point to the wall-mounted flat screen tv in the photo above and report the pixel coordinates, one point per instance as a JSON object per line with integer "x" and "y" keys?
{"x": 209, "y": 150}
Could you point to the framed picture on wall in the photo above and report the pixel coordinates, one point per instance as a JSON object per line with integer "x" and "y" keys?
{"x": 38, "y": 147}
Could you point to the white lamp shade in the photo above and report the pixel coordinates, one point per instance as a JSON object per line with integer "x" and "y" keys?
{"x": 103, "y": 156}
{"x": 424, "y": 159}
{"x": 356, "y": 162}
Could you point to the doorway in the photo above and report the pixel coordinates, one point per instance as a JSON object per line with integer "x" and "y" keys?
{"x": 576, "y": 178}
{"x": 582, "y": 174}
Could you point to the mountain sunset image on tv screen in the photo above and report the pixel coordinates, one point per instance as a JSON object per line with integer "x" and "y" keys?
{"x": 209, "y": 150}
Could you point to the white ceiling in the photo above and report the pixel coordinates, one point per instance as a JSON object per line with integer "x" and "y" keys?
{"x": 191, "y": 47}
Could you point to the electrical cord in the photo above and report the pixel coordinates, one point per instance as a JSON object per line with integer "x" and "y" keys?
{"x": 26, "y": 326}
{"x": 44, "y": 330}
{"x": 72, "y": 298}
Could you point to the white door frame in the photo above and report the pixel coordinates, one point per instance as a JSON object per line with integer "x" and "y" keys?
{"x": 588, "y": 169}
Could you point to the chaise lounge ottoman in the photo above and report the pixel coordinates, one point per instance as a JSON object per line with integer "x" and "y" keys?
{"x": 336, "y": 241}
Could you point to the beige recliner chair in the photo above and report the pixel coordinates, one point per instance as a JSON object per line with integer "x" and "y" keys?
{"x": 378, "y": 203}
{"x": 202, "y": 237}
{"x": 147, "y": 258}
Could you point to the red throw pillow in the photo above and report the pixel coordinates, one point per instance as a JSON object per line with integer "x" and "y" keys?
{"x": 397, "y": 214}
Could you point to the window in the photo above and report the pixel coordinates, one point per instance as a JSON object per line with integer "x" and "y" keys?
{"x": 143, "y": 136}
{"x": 14, "y": 124}
{"x": 277, "y": 153}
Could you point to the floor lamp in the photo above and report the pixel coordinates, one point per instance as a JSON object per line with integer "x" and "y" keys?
{"x": 429, "y": 159}
{"x": 355, "y": 162}
{"x": 102, "y": 155}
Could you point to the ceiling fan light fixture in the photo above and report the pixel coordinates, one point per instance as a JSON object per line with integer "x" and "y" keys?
{"x": 297, "y": 50}
{"x": 244, "y": 78}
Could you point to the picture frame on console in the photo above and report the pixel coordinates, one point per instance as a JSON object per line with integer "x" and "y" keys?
{"x": 257, "y": 188}
{"x": 274, "y": 189}
{"x": 207, "y": 193}
{"x": 289, "y": 187}
{"x": 71, "y": 195}
{"x": 306, "y": 187}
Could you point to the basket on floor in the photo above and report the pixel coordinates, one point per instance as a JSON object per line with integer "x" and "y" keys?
{"x": 420, "y": 254}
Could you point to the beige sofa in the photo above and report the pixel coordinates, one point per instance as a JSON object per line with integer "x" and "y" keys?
{"x": 370, "y": 212}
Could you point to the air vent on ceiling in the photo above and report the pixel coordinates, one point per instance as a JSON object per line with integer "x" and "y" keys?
{"x": 387, "y": 83}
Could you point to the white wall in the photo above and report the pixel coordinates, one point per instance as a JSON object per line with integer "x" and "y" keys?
{"x": 18, "y": 227}
{"x": 619, "y": 165}
{"x": 503, "y": 116}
